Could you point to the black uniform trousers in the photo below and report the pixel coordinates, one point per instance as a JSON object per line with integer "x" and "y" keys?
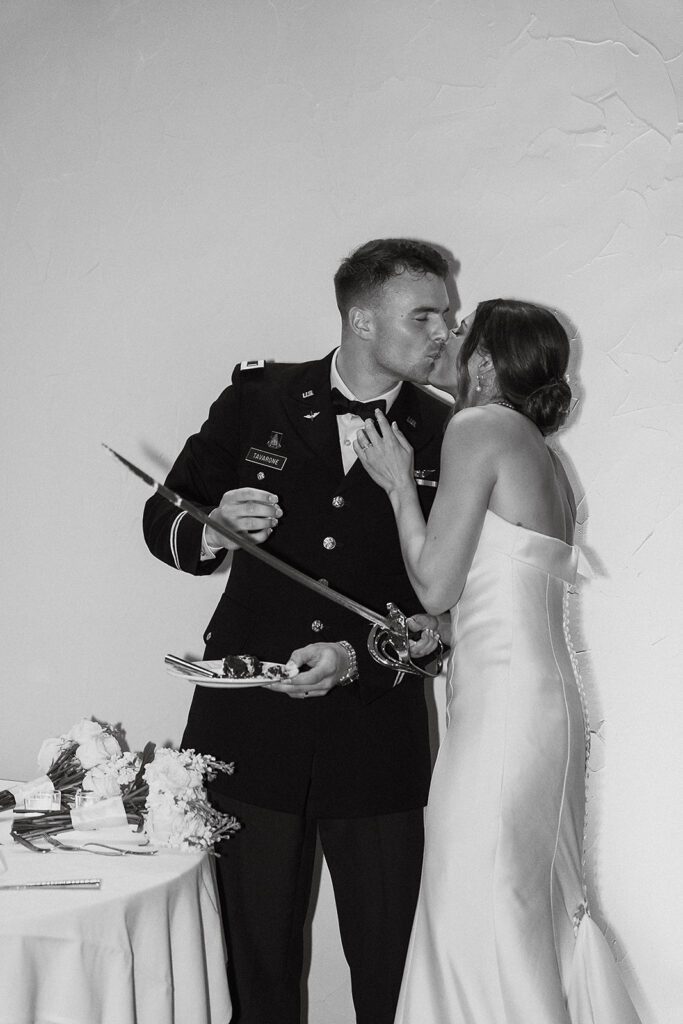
{"x": 264, "y": 881}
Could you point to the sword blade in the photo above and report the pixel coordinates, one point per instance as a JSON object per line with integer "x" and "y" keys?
{"x": 248, "y": 545}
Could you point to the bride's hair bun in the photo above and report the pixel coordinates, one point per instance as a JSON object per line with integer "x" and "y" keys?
{"x": 548, "y": 405}
{"x": 529, "y": 349}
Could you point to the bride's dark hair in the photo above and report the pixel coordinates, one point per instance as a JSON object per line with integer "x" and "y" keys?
{"x": 529, "y": 350}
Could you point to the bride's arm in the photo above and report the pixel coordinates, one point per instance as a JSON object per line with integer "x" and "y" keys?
{"x": 438, "y": 554}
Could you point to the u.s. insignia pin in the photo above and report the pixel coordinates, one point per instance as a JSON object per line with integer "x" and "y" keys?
{"x": 275, "y": 440}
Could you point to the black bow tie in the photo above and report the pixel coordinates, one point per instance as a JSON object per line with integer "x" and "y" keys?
{"x": 366, "y": 410}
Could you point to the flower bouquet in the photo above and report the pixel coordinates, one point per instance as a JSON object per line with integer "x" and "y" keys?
{"x": 160, "y": 791}
{"x": 65, "y": 761}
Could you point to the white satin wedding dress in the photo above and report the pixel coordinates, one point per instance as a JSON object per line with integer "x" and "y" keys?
{"x": 501, "y": 932}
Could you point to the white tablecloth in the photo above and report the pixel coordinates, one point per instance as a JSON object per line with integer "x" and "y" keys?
{"x": 147, "y": 948}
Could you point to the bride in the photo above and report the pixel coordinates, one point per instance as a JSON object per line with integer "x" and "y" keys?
{"x": 502, "y": 932}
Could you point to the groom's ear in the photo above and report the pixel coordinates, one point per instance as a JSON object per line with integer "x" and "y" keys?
{"x": 361, "y": 322}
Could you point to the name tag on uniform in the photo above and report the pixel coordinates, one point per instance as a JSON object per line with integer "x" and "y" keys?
{"x": 268, "y": 459}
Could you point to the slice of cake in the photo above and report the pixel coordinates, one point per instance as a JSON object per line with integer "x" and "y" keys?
{"x": 241, "y": 666}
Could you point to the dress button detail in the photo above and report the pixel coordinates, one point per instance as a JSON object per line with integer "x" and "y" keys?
{"x": 317, "y": 626}
{"x": 338, "y": 501}
{"x": 329, "y": 543}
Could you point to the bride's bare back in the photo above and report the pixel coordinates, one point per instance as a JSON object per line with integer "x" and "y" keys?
{"x": 531, "y": 487}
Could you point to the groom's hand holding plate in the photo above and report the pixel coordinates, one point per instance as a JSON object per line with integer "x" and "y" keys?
{"x": 319, "y": 667}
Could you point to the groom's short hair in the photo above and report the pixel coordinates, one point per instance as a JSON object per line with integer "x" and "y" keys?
{"x": 376, "y": 262}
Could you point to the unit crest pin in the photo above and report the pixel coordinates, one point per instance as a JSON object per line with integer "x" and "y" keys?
{"x": 275, "y": 439}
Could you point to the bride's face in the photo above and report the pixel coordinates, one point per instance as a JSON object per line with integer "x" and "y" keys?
{"x": 446, "y": 373}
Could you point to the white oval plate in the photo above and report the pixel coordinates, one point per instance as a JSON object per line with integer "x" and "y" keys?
{"x": 227, "y": 682}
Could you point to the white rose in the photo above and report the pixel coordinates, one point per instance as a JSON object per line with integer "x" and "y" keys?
{"x": 102, "y": 781}
{"x": 97, "y": 749}
{"x": 83, "y": 730}
{"x": 168, "y": 775}
{"x": 49, "y": 751}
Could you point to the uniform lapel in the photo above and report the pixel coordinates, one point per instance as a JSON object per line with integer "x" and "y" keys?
{"x": 308, "y": 405}
{"x": 414, "y": 417}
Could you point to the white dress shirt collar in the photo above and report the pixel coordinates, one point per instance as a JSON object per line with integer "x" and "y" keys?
{"x": 348, "y": 424}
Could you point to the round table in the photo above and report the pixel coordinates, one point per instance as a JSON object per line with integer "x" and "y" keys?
{"x": 146, "y": 948}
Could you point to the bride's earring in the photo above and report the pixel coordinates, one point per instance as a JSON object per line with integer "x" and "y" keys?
{"x": 482, "y": 372}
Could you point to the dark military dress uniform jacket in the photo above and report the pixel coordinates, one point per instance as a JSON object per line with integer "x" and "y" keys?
{"x": 361, "y": 749}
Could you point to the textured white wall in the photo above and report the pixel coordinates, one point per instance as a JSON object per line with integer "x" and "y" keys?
{"x": 178, "y": 183}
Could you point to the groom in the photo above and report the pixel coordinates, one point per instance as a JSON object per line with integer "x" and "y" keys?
{"x": 340, "y": 751}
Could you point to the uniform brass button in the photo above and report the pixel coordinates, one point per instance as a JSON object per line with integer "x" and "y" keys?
{"x": 317, "y": 626}
{"x": 329, "y": 543}
{"x": 338, "y": 501}
{"x": 324, "y": 582}
{"x": 260, "y": 475}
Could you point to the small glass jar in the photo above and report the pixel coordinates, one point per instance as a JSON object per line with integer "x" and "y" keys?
{"x": 84, "y": 798}
{"x": 43, "y": 801}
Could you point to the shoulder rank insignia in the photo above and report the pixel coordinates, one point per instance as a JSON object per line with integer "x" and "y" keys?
{"x": 252, "y": 364}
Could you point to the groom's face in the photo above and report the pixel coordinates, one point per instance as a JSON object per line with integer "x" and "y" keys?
{"x": 409, "y": 326}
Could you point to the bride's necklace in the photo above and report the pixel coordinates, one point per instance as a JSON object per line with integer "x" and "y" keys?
{"x": 508, "y": 405}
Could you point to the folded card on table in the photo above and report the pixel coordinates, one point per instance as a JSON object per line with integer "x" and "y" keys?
{"x": 101, "y": 814}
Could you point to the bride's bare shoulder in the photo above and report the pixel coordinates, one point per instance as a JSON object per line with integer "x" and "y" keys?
{"x": 474, "y": 442}
{"x": 482, "y": 426}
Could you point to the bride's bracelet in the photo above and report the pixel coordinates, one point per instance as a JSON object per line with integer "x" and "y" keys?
{"x": 352, "y": 670}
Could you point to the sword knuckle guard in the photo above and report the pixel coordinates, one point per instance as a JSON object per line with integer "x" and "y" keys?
{"x": 389, "y": 646}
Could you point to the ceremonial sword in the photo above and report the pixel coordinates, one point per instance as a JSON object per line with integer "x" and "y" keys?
{"x": 388, "y": 642}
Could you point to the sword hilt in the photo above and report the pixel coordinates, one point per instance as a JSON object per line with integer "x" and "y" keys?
{"x": 389, "y": 646}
